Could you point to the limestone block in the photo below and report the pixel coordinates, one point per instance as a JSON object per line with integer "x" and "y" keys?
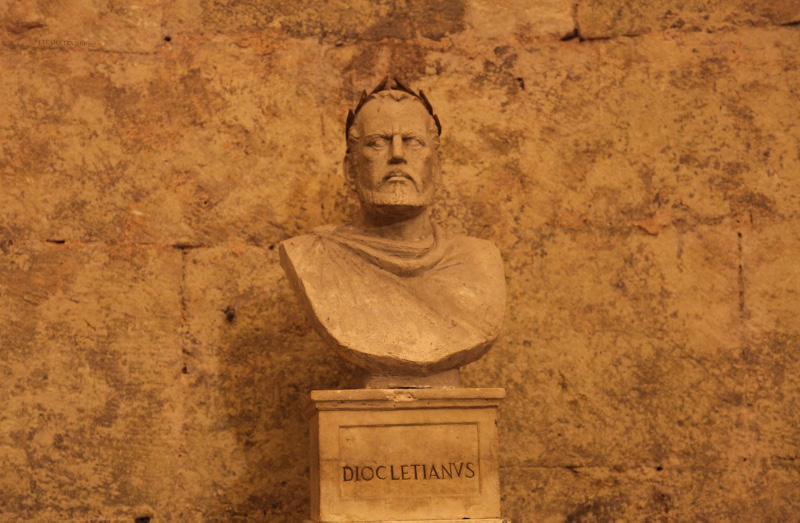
{"x": 635, "y": 134}
{"x": 525, "y": 20}
{"x": 771, "y": 278}
{"x": 75, "y": 25}
{"x": 70, "y": 172}
{"x": 89, "y": 380}
{"x": 153, "y": 151}
{"x": 610, "y": 18}
{"x": 334, "y": 22}
{"x": 770, "y": 302}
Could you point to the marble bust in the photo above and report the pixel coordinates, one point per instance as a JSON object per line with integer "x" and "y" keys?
{"x": 392, "y": 292}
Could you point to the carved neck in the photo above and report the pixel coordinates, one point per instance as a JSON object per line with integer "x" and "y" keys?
{"x": 411, "y": 228}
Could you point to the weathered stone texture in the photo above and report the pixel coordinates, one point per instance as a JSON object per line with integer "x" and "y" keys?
{"x": 611, "y": 18}
{"x": 90, "y": 371}
{"x": 524, "y": 20}
{"x": 127, "y": 27}
{"x": 141, "y": 180}
{"x": 771, "y": 361}
{"x": 622, "y": 308}
{"x": 643, "y": 191}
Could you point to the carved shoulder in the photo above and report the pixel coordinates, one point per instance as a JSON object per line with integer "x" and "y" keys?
{"x": 481, "y": 253}
{"x": 296, "y": 253}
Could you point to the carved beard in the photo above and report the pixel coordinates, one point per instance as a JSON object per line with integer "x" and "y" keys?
{"x": 396, "y": 194}
{"x": 395, "y": 199}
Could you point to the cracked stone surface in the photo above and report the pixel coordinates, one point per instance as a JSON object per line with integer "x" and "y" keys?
{"x": 635, "y": 162}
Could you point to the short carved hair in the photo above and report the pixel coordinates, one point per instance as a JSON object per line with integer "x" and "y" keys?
{"x": 390, "y": 87}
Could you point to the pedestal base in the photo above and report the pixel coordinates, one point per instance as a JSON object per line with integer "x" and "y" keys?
{"x": 405, "y": 455}
{"x": 492, "y": 520}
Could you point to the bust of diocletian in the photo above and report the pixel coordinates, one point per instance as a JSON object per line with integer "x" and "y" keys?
{"x": 392, "y": 292}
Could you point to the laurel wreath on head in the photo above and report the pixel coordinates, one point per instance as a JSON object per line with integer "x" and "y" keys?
{"x": 390, "y": 83}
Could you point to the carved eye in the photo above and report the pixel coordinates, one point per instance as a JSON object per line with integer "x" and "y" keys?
{"x": 413, "y": 142}
{"x": 378, "y": 142}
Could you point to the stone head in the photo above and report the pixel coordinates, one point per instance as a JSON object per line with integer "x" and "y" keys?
{"x": 392, "y": 159}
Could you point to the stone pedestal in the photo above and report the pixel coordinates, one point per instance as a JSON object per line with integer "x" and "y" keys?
{"x": 404, "y": 455}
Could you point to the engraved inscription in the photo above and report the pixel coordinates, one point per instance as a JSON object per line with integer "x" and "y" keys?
{"x": 414, "y": 472}
{"x": 402, "y": 461}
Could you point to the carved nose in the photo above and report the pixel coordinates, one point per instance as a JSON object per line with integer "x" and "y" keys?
{"x": 398, "y": 154}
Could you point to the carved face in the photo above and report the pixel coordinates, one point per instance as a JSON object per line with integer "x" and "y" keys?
{"x": 395, "y": 167}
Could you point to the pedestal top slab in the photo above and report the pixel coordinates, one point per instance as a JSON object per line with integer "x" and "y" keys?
{"x": 369, "y": 399}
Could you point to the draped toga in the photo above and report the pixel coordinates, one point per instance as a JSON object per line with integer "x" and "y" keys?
{"x": 398, "y": 307}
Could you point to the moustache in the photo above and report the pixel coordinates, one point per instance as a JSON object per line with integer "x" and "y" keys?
{"x": 398, "y": 173}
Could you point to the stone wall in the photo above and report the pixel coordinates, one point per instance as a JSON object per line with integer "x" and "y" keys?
{"x": 637, "y": 162}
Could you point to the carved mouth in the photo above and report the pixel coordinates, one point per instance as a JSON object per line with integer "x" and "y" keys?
{"x": 397, "y": 174}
